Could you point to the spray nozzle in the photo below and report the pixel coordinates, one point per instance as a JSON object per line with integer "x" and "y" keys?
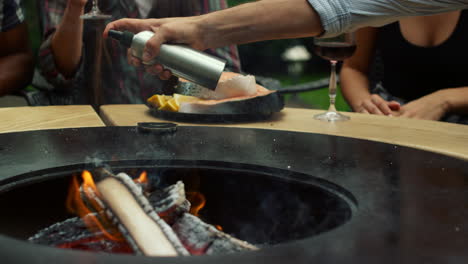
{"x": 125, "y": 37}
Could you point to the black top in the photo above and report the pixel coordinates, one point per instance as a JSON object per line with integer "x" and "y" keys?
{"x": 412, "y": 71}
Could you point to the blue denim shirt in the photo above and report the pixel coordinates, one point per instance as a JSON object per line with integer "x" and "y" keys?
{"x": 339, "y": 16}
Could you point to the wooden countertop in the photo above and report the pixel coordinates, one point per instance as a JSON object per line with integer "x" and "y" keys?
{"x": 446, "y": 138}
{"x": 15, "y": 119}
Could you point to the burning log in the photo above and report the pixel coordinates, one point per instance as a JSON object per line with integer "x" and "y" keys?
{"x": 170, "y": 203}
{"x": 202, "y": 238}
{"x": 74, "y": 234}
{"x": 135, "y": 217}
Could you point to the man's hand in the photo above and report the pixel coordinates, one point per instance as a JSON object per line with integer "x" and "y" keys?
{"x": 431, "y": 107}
{"x": 378, "y": 106}
{"x": 180, "y": 30}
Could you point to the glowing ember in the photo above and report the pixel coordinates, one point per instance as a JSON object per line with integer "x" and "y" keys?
{"x": 99, "y": 244}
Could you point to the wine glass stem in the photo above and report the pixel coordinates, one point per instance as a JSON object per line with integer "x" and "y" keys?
{"x": 95, "y": 6}
{"x": 332, "y": 87}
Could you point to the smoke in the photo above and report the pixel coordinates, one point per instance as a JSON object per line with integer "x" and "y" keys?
{"x": 95, "y": 161}
{"x": 267, "y": 210}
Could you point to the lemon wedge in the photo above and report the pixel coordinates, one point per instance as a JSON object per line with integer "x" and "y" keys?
{"x": 158, "y": 100}
{"x": 170, "y": 105}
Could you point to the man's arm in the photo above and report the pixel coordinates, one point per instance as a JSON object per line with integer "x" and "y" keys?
{"x": 260, "y": 20}
{"x": 16, "y": 62}
{"x": 255, "y": 21}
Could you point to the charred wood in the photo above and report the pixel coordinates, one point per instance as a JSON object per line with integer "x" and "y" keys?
{"x": 201, "y": 238}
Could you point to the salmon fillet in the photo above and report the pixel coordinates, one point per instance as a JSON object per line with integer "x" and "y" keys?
{"x": 236, "y": 94}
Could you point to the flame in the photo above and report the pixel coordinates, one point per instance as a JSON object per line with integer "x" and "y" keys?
{"x": 96, "y": 222}
{"x": 73, "y": 193}
{"x": 197, "y": 200}
{"x": 88, "y": 181}
{"x": 143, "y": 178}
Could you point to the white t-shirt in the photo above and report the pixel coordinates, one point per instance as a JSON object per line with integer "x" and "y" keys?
{"x": 144, "y": 6}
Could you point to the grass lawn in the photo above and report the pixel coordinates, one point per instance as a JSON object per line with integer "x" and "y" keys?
{"x": 314, "y": 99}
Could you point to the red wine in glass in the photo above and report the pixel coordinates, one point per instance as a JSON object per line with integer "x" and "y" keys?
{"x": 335, "y": 51}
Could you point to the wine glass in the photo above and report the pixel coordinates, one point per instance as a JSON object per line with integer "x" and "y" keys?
{"x": 334, "y": 49}
{"x": 95, "y": 13}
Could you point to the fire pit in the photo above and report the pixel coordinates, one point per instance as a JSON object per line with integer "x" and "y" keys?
{"x": 298, "y": 196}
{"x": 260, "y": 208}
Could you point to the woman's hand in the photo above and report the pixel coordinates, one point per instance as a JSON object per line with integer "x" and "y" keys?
{"x": 431, "y": 107}
{"x": 377, "y": 105}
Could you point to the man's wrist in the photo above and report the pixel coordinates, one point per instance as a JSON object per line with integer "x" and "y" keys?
{"x": 205, "y": 31}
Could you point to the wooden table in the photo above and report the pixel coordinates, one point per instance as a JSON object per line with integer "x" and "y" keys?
{"x": 13, "y": 119}
{"x": 446, "y": 138}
